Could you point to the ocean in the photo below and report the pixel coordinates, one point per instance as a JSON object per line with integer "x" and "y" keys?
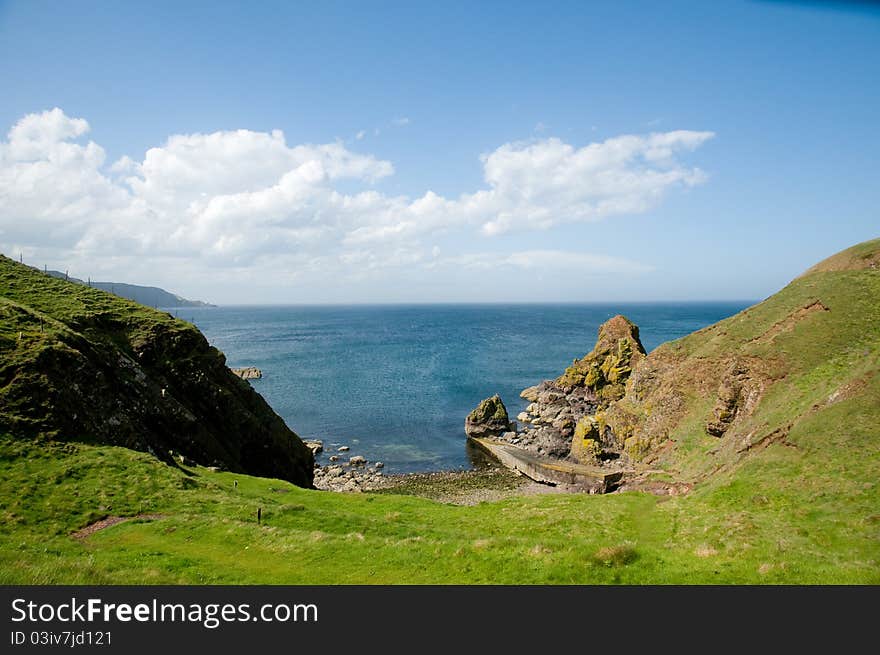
{"x": 395, "y": 382}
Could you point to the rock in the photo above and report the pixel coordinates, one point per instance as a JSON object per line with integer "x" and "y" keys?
{"x": 729, "y": 401}
{"x": 566, "y": 418}
{"x": 334, "y": 458}
{"x": 315, "y": 446}
{"x": 380, "y": 465}
{"x": 248, "y": 373}
{"x": 605, "y": 369}
{"x": 343, "y": 449}
{"x": 530, "y": 393}
{"x": 335, "y": 471}
{"x": 586, "y": 444}
{"x": 564, "y": 424}
{"x": 550, "y": 412}
{"x": 357, "y": 460}
{"x": 488, "y": 419}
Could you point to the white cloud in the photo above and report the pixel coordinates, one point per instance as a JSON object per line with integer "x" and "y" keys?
{"x": 240, "y": 198}
{"x": 50, "y": 188}
{"x": 360, "y": 135}
{"x": 547, "y": 182}
{"x": 400, "y": 122}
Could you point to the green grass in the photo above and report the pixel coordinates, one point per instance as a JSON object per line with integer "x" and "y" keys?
{"x": 45, "y": 322}
{"x": 737, "y": 530}
{"x": 820, "y": 356}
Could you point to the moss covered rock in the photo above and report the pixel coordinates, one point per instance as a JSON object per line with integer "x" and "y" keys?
{"x": 605, "y": 369}
{"x": 488, "y": 419}
{"x": 586, "y": 444}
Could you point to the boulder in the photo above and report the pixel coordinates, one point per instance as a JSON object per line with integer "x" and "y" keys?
{"x": 357, "y": 460}
{"x": 586, "y": 444}
{"x": 248, "y": 373}
{"x": 488, "y": 419}
{"x": 315, "y": 446}
{"x": 530, "y": 393}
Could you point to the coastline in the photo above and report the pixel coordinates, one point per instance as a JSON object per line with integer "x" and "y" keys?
{"x": 485, "y": 483}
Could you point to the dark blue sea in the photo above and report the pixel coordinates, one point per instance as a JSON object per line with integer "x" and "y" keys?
{"x": 396, "y": 382}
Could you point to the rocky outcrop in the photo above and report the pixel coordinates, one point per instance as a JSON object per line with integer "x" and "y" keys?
{"x": 248, "y": 373}
{"x": 488, "y": 419}
{"x": 89, "y": 366}
{"x": 564, "y": 418}
{"x": 699, "y": 405}
{"x": 317, "y": 447}
{"x": 729, "y": 400}
{"x": 603, "y": 372}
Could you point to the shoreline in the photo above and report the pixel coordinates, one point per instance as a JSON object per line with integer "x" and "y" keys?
{"x": 458, "y": 487}
{"x": 339, "y": 468}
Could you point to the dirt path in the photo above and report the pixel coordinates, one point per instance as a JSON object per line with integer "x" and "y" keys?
{"x": 109, "y": 522}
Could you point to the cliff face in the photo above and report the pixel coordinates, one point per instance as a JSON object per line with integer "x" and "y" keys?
{"x": 81, "y": 364}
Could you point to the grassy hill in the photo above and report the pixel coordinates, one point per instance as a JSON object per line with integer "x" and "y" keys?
{"x": 78, "y": 363}
{"x": 786, "y": 494}
{"x": 798, "y": 371}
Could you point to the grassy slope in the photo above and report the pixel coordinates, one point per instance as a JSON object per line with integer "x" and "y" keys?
{"x": 740, "y": 532}
{"x": 84, "y": 364}
{"x": 819, "y": 370}
{"x": 803, "y": 512}
{"x": 36, "y": 312}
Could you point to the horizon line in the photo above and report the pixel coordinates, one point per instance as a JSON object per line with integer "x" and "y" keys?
{"x": 474, "y": 303}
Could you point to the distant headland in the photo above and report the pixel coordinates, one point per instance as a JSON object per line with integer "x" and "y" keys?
{"x": 149, "y": 296}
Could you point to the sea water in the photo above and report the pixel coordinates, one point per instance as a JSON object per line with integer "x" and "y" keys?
{"x": 395, "y": 383}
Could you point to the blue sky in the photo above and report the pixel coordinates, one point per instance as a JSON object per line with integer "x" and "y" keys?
{"x": 766, "y": 114}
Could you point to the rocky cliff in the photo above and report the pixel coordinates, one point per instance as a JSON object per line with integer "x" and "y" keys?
{"x": 706, "y": 402}
{"x": 78, "y": 363}
{"x": 565, "y": 418}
